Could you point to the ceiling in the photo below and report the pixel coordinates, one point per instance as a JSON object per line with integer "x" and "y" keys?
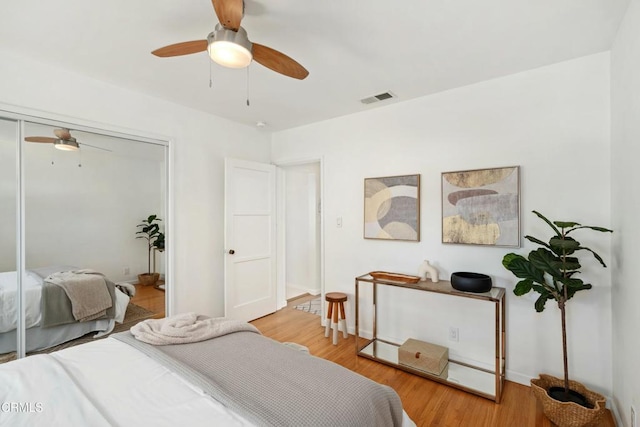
{"x": 352, "y": 49}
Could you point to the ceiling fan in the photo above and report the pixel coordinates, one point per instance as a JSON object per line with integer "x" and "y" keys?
{"x": 229, "y": 45}
{"x": 63, "y": 141}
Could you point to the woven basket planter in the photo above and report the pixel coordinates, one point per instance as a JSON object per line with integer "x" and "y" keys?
{"x": 568, "y": 414}
{"x": 148, "y": 279}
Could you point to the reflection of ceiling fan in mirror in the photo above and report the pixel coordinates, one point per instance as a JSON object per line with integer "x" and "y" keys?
{"x": 63, "y": 141}
{"x": 229, "y": 45}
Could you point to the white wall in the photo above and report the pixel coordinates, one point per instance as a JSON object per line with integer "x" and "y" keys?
{"x": 87, "y": 216}
{"x": 625, "y": 151}
{"x": 554, "y": 123}
{"x": 79, "y": 215}
{"x": 200, "y": 143}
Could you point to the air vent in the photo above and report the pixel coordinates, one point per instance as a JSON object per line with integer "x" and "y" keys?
{"x": 377, "y": 98}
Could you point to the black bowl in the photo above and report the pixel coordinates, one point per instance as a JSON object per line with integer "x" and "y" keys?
{"x": 470, "y": 282}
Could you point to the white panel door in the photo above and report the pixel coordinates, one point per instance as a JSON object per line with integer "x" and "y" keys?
{"x": 250, "y": 239}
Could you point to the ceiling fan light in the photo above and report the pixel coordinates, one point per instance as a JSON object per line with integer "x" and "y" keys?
{"x": 229, "y": 54}
{"x": 230, "y": 48}
{"x": 66, "y": 145}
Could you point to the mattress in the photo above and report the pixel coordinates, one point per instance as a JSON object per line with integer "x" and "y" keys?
{"x": 8, "y": 299}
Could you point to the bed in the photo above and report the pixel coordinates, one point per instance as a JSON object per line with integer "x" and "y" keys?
{"x": 238, "y": 379}
{"x": 40, "y": 336}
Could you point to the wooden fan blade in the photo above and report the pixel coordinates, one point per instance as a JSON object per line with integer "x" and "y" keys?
{"x": 40, "y": 139}
{"x": 229, "y": 13}
{"x": 278, "y": 62}
{"x": 62, "y": 133}
{"x": 184, "y": 48}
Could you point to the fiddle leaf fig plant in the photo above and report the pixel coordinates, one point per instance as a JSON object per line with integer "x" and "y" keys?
{"x": 551, "y": 271}
{"x": 159, "y": 242}
{"x": 150, "y": 231}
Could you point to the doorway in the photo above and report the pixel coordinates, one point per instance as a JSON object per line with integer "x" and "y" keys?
{"x": 302, "y": 220}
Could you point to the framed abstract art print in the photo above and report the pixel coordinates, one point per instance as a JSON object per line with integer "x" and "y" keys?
{"x": 481, "y": 207}
{"x": 392, "y": 208}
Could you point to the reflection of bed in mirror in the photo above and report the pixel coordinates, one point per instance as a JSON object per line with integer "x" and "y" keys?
{"x": 50, "y": 316}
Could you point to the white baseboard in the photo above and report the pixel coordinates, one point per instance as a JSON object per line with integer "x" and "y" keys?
{"x": 614, "y": 410}
{"x": 296, "y": 290}
{"x": 517, "y": 377}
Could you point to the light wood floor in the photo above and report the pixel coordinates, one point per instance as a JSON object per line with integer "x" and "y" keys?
{"x": 426, "y": 402}
{"x": 150, "y": 298}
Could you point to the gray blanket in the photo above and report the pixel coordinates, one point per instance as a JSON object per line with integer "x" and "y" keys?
{"x": 273, "y": 385}
{"x": 56, "y": 305}
{"x": 87, "y": 290}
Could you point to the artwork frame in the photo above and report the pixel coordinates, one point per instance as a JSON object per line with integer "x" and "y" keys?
{"x": 481, "y": 207}
{"x": 392, "y": 208}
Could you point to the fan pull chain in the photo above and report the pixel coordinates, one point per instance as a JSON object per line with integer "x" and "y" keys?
{"x": 210, "y": 78}
{"x": 248, "y": 87}
{"x": 79, "y": 158}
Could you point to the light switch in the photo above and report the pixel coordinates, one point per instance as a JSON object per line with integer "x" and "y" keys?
{"x": 339, "y": 222}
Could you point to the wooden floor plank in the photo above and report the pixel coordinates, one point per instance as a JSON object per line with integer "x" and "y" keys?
{"x": 150, "y": 298}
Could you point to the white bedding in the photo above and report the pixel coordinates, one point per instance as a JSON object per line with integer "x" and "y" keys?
{"x": 8, "y": 295}
{"x": 33, "y": 293}
{"x": 106, "y": 382}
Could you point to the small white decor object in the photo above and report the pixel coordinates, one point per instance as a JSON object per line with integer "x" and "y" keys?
{"x": 427, "y": 270}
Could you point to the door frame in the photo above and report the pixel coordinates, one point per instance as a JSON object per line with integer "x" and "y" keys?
{"x": 281, "y": 258}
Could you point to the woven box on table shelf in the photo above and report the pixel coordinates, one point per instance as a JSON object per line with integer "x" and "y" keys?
{"x": 423, "y": 356}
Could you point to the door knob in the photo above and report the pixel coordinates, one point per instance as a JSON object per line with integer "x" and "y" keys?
{"x": 231, "y": 252}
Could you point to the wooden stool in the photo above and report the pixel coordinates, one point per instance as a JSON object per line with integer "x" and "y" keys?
{"x": 336, "y": 301}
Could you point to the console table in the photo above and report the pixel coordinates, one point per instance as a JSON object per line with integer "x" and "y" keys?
{"x": 474, "y": 379}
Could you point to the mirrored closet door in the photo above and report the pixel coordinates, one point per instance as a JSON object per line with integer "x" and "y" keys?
{"x": 8, "y": 237}
{"x": 87, "y": 198}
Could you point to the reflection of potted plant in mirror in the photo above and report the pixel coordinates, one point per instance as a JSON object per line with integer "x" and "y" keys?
{"x": 159, "y": 242}
{"x": 551, "y": 271}
{"x": 150, "y": 231}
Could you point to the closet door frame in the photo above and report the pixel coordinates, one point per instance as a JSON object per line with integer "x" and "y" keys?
{"x": 22, "y": 115}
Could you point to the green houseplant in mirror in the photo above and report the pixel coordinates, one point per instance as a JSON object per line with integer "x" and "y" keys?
{"x": 551, "y": 271}
{"x": 150, "y": 231}
{"x": 159, "y": 242}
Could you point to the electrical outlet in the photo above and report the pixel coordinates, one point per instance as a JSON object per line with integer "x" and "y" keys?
{"x": 633, "y": 417}
{"x": 126, "y": 271}
{"x": 453, "y": 334}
